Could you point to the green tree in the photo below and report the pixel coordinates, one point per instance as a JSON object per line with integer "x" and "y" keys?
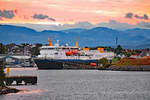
{"x": 109, "y": 49}
{"x": 127, "y": 54}
{"x": 116, "y": 59}
{"x": 104, "y": 62}
{"x": 36, "y": 50}
{"x": 2, "y": 75}
{"x": 2, "y": 49}
{"x": 119, "y": 50}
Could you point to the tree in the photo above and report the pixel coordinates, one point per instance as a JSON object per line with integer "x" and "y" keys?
{"x": 109, "y": 49}
{"x": 119, "y": 50}
{"x": 127, "y": 54}
{"x": 2, "y": 49}
{"x": 2, "y": 75}
{"x": 116, "y": 59}
{"x": 36, "y": 50}
{"x": 104, "y": 62}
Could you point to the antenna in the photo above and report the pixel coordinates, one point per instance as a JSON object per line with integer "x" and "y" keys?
{"x": 116, "y": 41}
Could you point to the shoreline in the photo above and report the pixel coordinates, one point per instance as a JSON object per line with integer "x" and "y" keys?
{"x": 129, "y": 68}
{"x": 111, "y": 68}
{"x": 7, "y": 90}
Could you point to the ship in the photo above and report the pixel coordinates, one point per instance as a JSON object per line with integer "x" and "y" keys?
{"x": 69, "y": 57}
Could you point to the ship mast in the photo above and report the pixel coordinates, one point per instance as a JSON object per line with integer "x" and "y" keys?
{"x": 116, "y": 41}
{"x": 77, "y": 42}
{"x": 49, "y": 40}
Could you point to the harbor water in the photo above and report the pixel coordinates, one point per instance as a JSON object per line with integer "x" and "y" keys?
{"x": 82, "y": 85}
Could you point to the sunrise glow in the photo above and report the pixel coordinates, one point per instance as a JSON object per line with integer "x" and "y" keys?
{"x": 72, "y": 11}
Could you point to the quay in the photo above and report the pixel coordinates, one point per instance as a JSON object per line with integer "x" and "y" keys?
{"x": 20, "y": 79}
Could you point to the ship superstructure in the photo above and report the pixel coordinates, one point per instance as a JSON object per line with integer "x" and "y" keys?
{"x": 56, "y": 56}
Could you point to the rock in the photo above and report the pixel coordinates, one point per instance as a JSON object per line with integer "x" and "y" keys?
{"x": 6, "y": 90}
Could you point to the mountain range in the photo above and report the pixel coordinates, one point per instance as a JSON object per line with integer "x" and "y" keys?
{"x": 98, "y": 36}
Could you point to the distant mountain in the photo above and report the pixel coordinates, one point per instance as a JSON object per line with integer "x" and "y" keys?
{"x": 99, "y": 36}
{"x": 75, "y": 30}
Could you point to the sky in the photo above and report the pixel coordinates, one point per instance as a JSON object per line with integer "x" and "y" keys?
{"x": 75, "y": 13}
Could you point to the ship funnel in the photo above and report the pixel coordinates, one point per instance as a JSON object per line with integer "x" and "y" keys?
{"x": 77, "y": 42}
{"x": 50, "y": 42}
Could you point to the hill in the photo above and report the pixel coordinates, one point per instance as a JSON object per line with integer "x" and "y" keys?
{"x": 98, "y": 36}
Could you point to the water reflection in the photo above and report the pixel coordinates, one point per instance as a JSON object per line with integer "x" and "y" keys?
{"x": 24, "y": 91}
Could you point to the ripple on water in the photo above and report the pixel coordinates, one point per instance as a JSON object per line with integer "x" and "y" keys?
{"x": 24, "y": 92}
{"x": 85, "y": 85}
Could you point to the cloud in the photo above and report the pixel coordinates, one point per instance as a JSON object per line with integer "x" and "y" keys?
{"x": 52, "y": 19}
{"x": 0, "y": 18}
{"x": 129, "y": 15}
{"x": 144, "y": 25}
{"x": 83, "y": 24}
{"x": 141, "y": 17}
{"x": 41, "y": 16}
{"x": 113, "y": 24}
{"x": 7, "y": 14}
{"x": 116, "y": 25}
{"x": 124, "y": 26}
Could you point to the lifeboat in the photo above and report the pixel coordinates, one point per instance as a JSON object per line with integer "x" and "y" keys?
{"x": 92, "y": 64}
{"x": 69, "y": 53}
{"x": 74, "y": 51}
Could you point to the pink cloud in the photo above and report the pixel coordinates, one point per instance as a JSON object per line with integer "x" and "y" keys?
{"x": 94, "y": 11}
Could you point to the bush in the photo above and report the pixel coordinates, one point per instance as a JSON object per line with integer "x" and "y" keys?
{"x": 2, "y": 74}
{"x": 116, "y": 59}
{"x": 104, "y": 62}
{"x": 107, "y": 65}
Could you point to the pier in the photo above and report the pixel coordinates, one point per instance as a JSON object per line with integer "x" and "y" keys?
{"x": 19, "y": 80}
